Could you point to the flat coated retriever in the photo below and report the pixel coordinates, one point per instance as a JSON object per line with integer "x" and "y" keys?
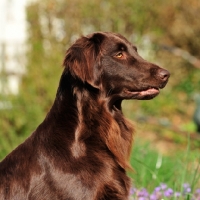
{"x": 81, "y": 149}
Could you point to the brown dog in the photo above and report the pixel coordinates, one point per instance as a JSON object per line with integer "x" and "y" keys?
{"x": 81, "y": 149}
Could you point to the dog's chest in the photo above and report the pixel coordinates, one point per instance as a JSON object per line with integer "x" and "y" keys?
{"x": 84, "y": 182}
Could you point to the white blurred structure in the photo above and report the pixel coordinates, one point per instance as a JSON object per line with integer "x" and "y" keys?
{"x": 12, "y": 44}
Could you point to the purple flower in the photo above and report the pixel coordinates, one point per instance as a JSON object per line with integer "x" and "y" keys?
{"x": 198, "y": 191}
{"x": 141, "y": 198}
{"x": 157, "y": 189}
{"x": 168, "y": 192}
{"x": 187, "y": 188}
{"x": 163, "y": 186}
{"x": 143, "y": 193}
{"x": 186, "y": 185}
{"x": 163, "y": 192}
{"x": 197, "y": 194}
{"x": 177, "y": 194}
{"x": 153, "y": 197}
{"x": 132, "y": 191}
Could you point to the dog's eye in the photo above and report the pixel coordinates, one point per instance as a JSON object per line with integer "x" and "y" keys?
{"x": 119, "y": 55}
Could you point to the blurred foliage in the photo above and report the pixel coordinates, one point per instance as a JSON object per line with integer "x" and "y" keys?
{"x": 54, "y": 24}
{"x": 152, "y": 168}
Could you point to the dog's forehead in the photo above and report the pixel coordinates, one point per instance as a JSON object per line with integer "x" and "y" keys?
{"x": 114, "y": 37}
{"x": 117, "y": 41}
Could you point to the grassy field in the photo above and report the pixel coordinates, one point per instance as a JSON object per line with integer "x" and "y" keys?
{"x": 175, "y": 176}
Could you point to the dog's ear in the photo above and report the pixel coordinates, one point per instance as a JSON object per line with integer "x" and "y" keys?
{"x": 82, "y": 59}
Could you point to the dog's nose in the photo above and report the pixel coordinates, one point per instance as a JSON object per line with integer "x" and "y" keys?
{"x": 163, "y": 74}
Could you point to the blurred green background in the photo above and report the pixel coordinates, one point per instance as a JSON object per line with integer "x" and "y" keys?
{"x": 165, "y": 32}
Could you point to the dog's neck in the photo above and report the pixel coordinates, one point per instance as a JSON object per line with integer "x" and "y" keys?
{"x": 81, "y": 110}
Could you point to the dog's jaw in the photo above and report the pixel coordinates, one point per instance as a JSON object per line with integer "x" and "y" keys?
{"x": 146, "y": 94}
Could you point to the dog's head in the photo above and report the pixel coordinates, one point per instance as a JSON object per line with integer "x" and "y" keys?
{"x": 110, "y": 63}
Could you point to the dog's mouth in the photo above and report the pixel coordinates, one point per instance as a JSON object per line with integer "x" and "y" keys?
{"x": 146, "y": 94}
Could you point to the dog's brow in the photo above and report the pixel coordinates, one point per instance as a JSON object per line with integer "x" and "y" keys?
{"x": 134, "y": 47}
{"x": 121, "y": 46}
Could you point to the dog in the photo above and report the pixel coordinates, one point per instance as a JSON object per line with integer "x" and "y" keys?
{"x": 81, "y": 149}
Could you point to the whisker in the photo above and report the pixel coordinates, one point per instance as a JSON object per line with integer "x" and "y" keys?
{"x": 109, "y": 92}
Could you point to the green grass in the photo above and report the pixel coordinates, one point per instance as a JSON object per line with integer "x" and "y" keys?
{"x": 152, "y": 168}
